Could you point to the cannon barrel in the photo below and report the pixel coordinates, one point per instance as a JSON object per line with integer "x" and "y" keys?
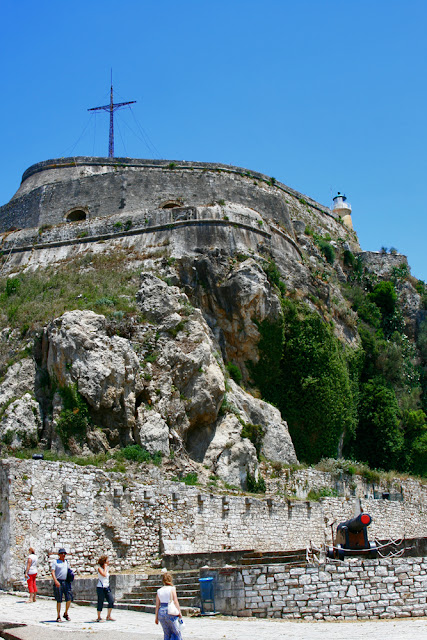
{"x": 355, "y": 525}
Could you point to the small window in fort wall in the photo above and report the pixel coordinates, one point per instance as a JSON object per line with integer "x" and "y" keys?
{"x": 76, "y": 215}
{"x": 171, "y": 204}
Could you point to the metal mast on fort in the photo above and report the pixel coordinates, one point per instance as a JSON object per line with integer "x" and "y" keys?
{"x": 111, "y": 108}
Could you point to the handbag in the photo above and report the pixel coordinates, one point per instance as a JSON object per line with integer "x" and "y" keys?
{"x": 172, "y": 610}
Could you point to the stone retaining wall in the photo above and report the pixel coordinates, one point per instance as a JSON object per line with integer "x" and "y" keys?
{"x": 134, "y": 520}
{"x": 386, "y": 588}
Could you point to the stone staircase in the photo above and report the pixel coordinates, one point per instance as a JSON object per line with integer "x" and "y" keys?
{"x": 143, "y": 596}
{"x": 295, "y": 557}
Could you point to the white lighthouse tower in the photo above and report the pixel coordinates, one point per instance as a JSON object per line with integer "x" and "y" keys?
{"x": 342, "y": 209}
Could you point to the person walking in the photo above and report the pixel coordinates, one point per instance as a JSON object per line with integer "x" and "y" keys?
{"x": 166, "y": 596}
{"x": 103, "y": 589}
{"x": 31, "y": 574}
{"x": 61, "y": 586}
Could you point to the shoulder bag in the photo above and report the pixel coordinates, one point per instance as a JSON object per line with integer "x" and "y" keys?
{"x": 172, "y": 609}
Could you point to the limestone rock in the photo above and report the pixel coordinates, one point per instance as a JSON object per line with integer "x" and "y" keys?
{"x": 230, "y": 456}
{"x": 410, "y": 303}
{"x": 230, "y": 300}
{"x": 152, "y": 432}
{"x": 105, "y": 369}
{"x": 277, "y": 444}
{"x": 156, "y": 299}
{"x": 19, "y": 378}
{"x": 20, "y": 423}
{"x": 186, "y": 360}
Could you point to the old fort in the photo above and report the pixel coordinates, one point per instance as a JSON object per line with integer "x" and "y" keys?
{"x": 163, "y": 289}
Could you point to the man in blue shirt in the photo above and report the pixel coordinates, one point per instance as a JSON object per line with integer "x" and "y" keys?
{"x": 61, "y": 586}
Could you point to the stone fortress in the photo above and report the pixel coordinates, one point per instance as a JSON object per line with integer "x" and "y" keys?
{"x": 204, "y": 204}
{"x": 173, "y": 208}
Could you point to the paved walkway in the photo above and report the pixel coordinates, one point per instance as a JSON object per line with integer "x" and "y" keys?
{"x": 40, "y": 619}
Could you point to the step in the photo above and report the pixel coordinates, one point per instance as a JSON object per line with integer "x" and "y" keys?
{"x": 273, "y": 560}
{"x": 144, "y": 588}
{"x": 270, "y": 557}
{"x": 184, "y": 602}
{"x": 261, "y": 554}
{"x": 144, "y": 608}
{"x": 190, "y": 593}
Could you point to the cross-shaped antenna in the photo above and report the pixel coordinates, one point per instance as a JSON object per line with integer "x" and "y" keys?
{"x": 111, "y": 108}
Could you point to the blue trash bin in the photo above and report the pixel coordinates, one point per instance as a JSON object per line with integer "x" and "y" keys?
{"x": 206, "y": 594}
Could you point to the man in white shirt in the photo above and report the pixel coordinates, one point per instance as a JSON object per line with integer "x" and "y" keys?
{"x": 61, "y": 586}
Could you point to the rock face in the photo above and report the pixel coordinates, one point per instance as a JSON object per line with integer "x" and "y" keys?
{"x": 221, "y": 250}
{"x": 277, "y": 444}
{"x": 19, "y": 378}
{"x": 229, "y": 456}
{"x": 164, "y": 383}
{"x": 231, "y": 299}
{"x": 20, "y": 418}
{"x": 21, "y": 422}
{"x": 105, "y": 369}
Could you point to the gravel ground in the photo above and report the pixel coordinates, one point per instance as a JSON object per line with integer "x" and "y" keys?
{"x": 40, "y": 619}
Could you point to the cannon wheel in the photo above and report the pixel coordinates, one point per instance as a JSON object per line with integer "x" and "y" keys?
{"x": 330, "y": 553}
{"x": 340, "y": 552}
{"x": 373, "y": 550}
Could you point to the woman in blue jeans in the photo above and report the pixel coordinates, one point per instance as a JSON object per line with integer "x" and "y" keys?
{"x": 170, "y": 624}
{"x": 103, "y": 589}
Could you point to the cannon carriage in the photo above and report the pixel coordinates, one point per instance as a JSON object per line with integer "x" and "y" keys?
{"x": 351, "y": 539}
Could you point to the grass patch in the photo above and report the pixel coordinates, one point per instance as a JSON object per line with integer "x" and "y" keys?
{"x": 136, "y": 453}
{"x": 100, "y": 283}
{"x": 324, "y": 492}
{"x": 191, "y": 479}
{"x": 254, "y": 485}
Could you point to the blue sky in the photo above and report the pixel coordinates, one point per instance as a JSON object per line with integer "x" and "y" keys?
{"x": 324, "y": 95}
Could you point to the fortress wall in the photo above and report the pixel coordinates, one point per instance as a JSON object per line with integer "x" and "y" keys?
{"x": 5, "y": 530}
{"x": 114, "y": 191}
{"x": 175, "y": 232}
{"x": 128, "y": 189}
{"x": 90, "y": 512}
{"x": 385, "y": 588}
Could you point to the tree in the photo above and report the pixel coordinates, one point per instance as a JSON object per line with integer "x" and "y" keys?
{"x": 379, "y": 436}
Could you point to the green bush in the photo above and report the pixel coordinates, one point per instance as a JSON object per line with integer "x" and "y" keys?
{"x": 191, "y": 479}
{"x": 305, "y": 371}
{"x": 74, "y": 418}
{"x": 136, "y": 453}
{"x": 327, "y": 250}
{"x": 234, "y": 372}
{"x": 348, "y": 258}
{"x": 12, "y": 286}
{"x": 255, "y": 433}
{"x": 314, "y": 495}
{"x": 385, "y": 297}
{"x": 273, "y": 276}
{"x": 379, "y": 435}
{"x": 253, "y": 485}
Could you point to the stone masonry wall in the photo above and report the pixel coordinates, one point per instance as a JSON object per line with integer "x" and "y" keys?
{"x": 90, "y": 512}
{"x": 103, "y": 187}
{"x": 175, "y": 232}
{"x": 354, "y": 589}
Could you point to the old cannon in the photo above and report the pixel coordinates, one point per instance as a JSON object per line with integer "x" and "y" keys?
{"x": 351, "y": 539}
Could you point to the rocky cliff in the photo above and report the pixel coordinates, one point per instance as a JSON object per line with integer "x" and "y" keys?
{"x": 172, "y": 338}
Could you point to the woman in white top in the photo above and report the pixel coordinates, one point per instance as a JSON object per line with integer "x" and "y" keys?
{"x": 170, "y": 624}
{"x": 31, "y": 574}
{"x": 103, "y": 588}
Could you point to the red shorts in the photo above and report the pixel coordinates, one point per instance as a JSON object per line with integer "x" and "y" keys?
{"x": 32, "y": 582}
